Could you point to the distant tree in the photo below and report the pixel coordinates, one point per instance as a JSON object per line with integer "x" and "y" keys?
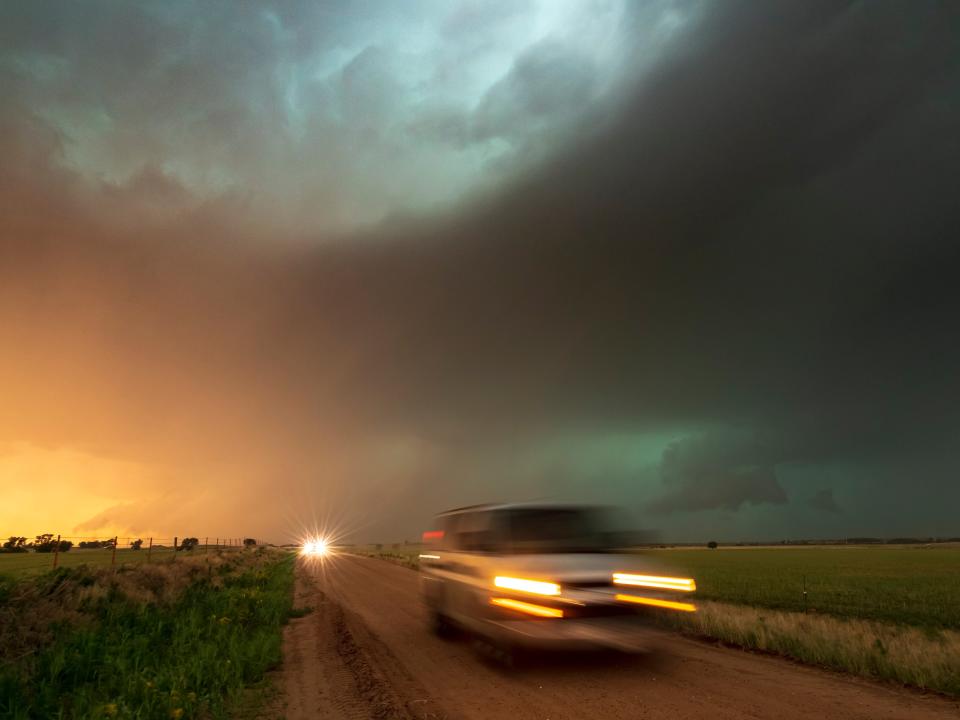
{"x": 189, "y": 543}
{"x": 43, "y": 543}
{"x": 135, "y": 545}
{"x": 95, "y": 544}
{"x": 14, "y": 544}
{"x": 46, "y": 544}
{"x": 249, "y": 542}
{"x": 712, "y": 544}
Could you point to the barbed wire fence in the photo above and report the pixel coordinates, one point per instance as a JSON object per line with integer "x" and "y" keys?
{"x": 50, "y": 551}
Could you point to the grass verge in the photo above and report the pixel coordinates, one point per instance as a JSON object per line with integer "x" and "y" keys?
{"x": 924, "y": 658}
{"x": 172, "y": 640}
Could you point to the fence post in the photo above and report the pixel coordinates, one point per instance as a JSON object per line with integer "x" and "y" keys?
{"x": 56, "y": 553}
{"x": 149, "y": 549}
{"x": 218, "y": 545}
{"x": 206, "y": 545}
{"x": 113, "y": 557}
{"x": 175, "y": 538}
{"x": 804, "y": 593}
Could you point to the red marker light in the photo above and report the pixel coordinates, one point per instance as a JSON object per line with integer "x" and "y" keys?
{"x": 433, "y": 535}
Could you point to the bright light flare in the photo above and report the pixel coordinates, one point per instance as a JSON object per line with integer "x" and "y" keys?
{"x": 529, "y": 608}
{"x": 536, "y": 587}
{"x": 655, "y": 581}
{"x": 315, "y": 547}
{"x": 657, "y": 602}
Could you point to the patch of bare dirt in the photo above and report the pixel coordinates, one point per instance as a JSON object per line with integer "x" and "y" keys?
{"x": 335, "y": 668}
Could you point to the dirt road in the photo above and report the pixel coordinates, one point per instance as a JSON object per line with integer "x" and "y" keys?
{"x": 364, "y": 652}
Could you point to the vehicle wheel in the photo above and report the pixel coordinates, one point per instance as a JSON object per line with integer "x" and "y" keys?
{"x": 501, "y": 654}
{"x": 440, "y": 624}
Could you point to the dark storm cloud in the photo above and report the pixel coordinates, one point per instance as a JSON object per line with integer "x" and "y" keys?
{"x": 315, "y": 112}
{"x": 825, "y": 501}
{"x": 752, "y": 257}
{"x": 547, "y": 83}
{"x": 722, "y": 470}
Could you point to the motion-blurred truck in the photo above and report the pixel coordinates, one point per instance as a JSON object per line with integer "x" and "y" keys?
{"x": 544, "y": 576}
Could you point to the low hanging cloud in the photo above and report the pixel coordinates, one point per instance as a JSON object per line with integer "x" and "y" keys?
{"x": 716, "y": 471}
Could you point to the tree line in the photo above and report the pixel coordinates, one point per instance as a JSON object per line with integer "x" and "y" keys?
{"x": 46, "y": 543}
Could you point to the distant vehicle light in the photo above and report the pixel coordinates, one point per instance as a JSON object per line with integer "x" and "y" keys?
{"x": 433, "y": 535}
{"x": 316, "y": 547}
{"x": 429, "y": 557}
{"x": 655, "y": 581}
{"x": 536, "y": 587}
{"x": 529, "y": 608}
{"x": 657, "y": 602}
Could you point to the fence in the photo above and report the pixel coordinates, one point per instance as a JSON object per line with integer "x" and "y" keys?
{"x": 19, "y": 555}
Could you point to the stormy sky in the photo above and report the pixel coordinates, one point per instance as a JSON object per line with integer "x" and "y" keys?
{"x": 276, "y": 263}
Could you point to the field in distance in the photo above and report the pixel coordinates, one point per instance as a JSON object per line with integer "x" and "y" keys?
{"x": 31, "y": 563}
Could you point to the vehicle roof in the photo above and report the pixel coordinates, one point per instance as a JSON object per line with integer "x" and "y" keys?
{"x": 518, "y": 505}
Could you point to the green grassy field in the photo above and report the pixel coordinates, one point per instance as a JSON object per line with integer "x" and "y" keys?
{"x": 180, "y": 639}
{"x": 906, "y": 585}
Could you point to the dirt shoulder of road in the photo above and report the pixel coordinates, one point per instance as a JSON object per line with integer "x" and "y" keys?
{"x": 335, "y": 668}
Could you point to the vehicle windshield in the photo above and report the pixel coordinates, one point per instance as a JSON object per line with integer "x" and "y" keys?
{"x": 559, "y": 530}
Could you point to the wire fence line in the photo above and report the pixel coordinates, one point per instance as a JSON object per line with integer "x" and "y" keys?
{"x": 20, "y": 554}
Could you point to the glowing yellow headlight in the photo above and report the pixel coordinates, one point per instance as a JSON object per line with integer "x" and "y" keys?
{"x": 529, "y": 608}
{"x": 655, "y": 581}
{"x": 537, "y": 587}
{"x": 657, "y": 602}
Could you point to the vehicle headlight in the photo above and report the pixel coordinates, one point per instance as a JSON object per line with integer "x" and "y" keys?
{"x": 317, "y": 547}
{"x": 655, "y": 581}
{"x": 536, "y": 587}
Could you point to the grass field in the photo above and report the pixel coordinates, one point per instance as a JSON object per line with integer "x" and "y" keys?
{"x": 30, "y": 563}
{"x": 922, "y": 657}
{"x": 177, "y": 639}
{"x": 907, "y": 585}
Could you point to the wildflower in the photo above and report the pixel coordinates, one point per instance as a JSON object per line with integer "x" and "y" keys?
{"x": 224, "y": 620}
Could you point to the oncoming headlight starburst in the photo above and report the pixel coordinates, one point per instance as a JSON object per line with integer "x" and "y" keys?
{"x": 315, "y": 547}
